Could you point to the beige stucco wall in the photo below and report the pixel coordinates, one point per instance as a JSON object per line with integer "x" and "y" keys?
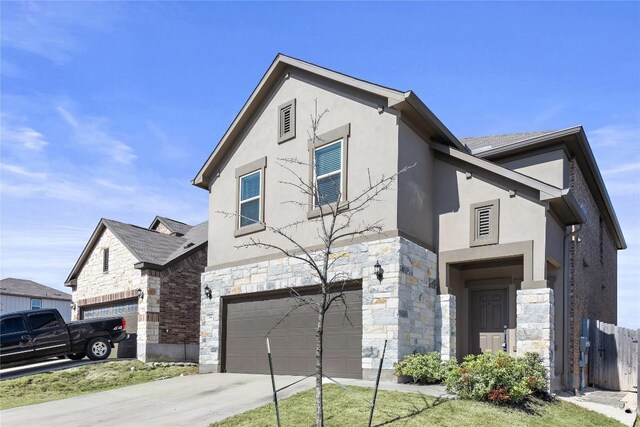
{"x": 521, "y": 217}
{"x": 372, "y": 146}
{"x": 551, "y": 167}
{"x": 415, "y": 187}
{"x": 92, "y": 281}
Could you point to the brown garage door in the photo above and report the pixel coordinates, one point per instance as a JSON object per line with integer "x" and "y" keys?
{"x": 248, "y": 320}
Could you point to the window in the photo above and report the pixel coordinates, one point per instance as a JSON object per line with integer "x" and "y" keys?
{"x": 36, "y": 303}
{"x": 12, "y": 325}
{"x": 287, "y": 121}
{"x": 328, "y": 172}
{"x": 43, "y": 321}
{"x": 105, "y": 260}
{"x": 328, "y": 157}
{"x": 249, "y": 200}
{"x": 484, "y": 223}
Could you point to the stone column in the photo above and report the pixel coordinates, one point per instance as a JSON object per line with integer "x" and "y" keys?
{"x": 534, "y": 319}
{"x": 148, "y": 313}
{"x": 446, "y": 326}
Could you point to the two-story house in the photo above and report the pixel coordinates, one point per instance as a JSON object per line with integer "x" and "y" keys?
{"x": 496, "y": 243}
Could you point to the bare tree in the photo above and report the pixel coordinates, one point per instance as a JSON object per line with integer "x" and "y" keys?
{"x": 335, "y": 225}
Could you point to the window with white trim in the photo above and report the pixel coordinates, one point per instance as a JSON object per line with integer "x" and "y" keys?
{"x": 250, "y": 199}
{"x": 328, "y": 173}
{"x": 36, "y": 303}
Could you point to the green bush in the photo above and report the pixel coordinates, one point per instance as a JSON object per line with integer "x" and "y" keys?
{"x": 497, "y": 377}
{"x": 424, "y": 368}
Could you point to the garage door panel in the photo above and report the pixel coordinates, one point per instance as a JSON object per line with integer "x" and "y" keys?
{"x": 293, "y": 340}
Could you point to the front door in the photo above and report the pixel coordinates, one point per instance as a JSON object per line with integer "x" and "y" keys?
{"x": 488, "y": 320}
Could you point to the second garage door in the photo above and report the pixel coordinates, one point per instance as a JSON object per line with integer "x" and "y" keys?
{"x": 128, "y": 309}
{"x": 248, "y": 321}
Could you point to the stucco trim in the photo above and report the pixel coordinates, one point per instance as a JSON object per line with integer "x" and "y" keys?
{"x": 485, "y": 253}
{"x": 494, "y": 223}
{"x": 348, "y": 241}
{"x": 254, "y": 166}
{"x": 284, "y": 137}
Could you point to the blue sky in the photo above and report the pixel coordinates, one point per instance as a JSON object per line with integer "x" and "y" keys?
{"x": 109, "y": 109}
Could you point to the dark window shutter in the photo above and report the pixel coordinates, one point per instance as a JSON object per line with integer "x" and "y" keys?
{"x": 483, "y": 222}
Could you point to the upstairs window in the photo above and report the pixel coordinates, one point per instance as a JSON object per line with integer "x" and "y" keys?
{"x": 328, "y": 172}
{"x": 36, "y": 303}
{"x": 484, "y": 223}
{"x": 287, "y": 121}
{"x": 250, "y": 199}
{"x": 105, "y": 260}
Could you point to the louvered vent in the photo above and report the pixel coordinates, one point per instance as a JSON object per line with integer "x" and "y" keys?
{"x": 287, "y": 121}
{"x": 484, "y": 222}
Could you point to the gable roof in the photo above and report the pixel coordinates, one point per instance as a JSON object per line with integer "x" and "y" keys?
{"x": 151, "y": 248}
{"x": 405, "y": 101}
{"x": 497, "y": 147}
{"x": 29, "y": 288}
{"x": 171, "y": 224}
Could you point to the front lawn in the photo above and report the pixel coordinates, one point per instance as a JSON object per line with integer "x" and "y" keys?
{"x": 410, "y": 409}
{"x": 82, "y": 380}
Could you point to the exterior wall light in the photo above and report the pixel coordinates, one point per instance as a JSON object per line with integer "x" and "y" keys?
{"x": 378, "y": 271}
{"x": 73, "y": 306}
{"x": 140, "y": 294}
{"x": 207, "y": 291}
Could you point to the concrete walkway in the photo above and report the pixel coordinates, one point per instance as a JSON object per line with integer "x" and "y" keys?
{"x": 610, "y": 403}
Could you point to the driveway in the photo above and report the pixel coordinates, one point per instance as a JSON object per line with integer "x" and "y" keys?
{"x": 193, "y": 400}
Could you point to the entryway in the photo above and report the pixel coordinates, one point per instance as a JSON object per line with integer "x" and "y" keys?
{"x": 489, "y": 320}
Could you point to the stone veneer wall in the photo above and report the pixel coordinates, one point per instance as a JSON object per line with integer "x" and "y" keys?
{"x": 446, "y": 326}
{"x": 535, "y": 333}
{"x": 592, "y": 279}
{"x": 92, "y": 282}
{"x": 400, "y": 308}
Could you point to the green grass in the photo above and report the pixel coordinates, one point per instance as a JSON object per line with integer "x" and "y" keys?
{"x": 82, "y": 380}
{"x": 411, "y": 409}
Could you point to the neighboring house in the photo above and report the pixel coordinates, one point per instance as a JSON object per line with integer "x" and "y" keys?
{"x": 20, "y": 294}
{"x": 151, "y": 277}
{"x": 491, "y": 243}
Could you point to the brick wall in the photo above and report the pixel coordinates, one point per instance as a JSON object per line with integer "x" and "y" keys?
{"x": 180, "y": 300}
{"x": 593, "y": 278}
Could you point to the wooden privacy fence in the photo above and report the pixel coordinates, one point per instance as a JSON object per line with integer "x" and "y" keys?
{"x": 613, "y": 356}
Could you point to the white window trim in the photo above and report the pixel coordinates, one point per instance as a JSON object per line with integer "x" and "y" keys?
{"x": 36, "y": 299}
{"x": 250, "y": 199}
{"x": 258, "y": 165}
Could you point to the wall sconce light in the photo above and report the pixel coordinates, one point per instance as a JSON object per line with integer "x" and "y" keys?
{"x": 140, "y": 294}
{"x": 378, "y": 271}
{"x": 207, "y": 291}
{"x": 73, "y": 306}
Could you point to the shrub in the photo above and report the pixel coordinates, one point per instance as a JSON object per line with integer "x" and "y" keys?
{"x": 497, "y": 377}
{"x": 423, "y": 368}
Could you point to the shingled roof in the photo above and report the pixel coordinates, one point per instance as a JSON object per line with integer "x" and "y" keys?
{"x": 151, "y": 248}
{"x": 478, "y": 144}
{"x": 29, "y": 288}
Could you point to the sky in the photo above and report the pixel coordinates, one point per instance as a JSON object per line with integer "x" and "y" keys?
{"x": 110, "y": 109}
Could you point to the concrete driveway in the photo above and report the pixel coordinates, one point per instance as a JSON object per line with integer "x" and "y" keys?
{"x": 194, "y": 400}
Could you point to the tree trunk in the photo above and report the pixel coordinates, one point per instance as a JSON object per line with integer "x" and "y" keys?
{"x": 319, "y": 333}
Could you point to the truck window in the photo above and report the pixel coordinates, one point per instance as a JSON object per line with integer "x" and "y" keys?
{"x": 43, "y": 321}
{"x": 12, "y": 325}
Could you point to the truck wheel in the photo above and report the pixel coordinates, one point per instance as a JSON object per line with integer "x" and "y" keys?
{"x": 98, "y": 349}
{"x": 76, "y": 356}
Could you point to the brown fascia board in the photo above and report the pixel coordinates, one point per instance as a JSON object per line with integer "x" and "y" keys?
{"x": 578, "y": 145}
{"x": 280, "y": 64}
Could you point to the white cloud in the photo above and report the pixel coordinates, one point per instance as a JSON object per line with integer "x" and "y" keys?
{"x": 21, "y": 171}
{"x": 24, "y": 137}
{"x": 622, "y": 135}
{"x": 624, "y": 168}
{"x": 90, "y": 132}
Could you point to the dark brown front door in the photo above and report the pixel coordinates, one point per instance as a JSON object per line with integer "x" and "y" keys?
{"x": 488, "y": 320}
{"x": 249, "y": 320}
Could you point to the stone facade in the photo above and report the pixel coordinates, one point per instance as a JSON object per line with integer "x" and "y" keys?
{"x": 400, "y": 308}
{"x": 535, "y": 333}
{"x": 446, "y": 326}
{"x": 592, "y": 271}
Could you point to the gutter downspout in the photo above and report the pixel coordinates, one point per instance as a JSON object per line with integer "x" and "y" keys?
{"x": 567, "y": 380}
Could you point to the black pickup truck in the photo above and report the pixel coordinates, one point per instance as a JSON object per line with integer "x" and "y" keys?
{"x": 41, "y": 334}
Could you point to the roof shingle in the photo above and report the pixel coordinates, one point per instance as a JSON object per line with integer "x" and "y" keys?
{"x": 29, "y": 288}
